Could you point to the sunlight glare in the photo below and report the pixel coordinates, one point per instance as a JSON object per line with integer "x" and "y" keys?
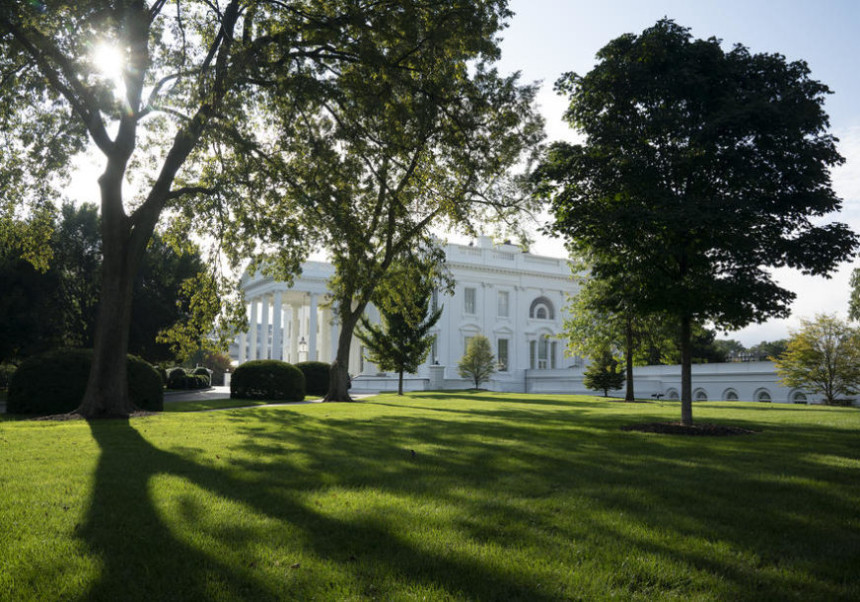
{"x": 109, "y": 62}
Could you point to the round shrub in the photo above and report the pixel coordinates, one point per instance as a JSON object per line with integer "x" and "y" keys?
{"x": 201, "y": 371}
{"x": 144, "y": 385}
{"x": 317, "y": 376}
{"x": 176, "y": 378}
{"x": 55, "y": 383}
{"x": 268, "y": 379}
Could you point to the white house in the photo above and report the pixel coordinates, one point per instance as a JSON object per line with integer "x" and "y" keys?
{"x": 516, "y": 299}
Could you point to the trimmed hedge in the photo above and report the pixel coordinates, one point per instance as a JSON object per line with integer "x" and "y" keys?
{"x": 201, "y": 371}
{"x": 179, "y": 378}
{"x": 176, "y": 378}
{"x": 317, "y": 375}
{"x": 268, "y": 379}
{"x": 55, "y": 383}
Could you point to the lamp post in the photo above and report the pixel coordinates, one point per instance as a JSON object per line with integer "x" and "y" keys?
{"x": 303, "y": 349}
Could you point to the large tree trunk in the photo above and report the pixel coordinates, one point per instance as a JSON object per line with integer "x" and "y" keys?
{"x": 628, "y": 357}
{"x": 686, "y": 372}
{"x": 338, "y": 384}
{"x": 400, "y": 383}
{"x": 107, "y": 386}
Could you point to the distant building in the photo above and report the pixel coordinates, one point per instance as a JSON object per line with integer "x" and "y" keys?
{"x": 516, "y": 299}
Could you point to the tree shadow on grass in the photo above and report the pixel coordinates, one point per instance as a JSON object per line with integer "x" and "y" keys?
{"x": 144, "y": 558}
{"x": 757, "y": 502}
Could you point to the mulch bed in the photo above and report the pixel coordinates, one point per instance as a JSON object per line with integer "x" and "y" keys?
{"x": 75, "y": 416}
{"x": 697, "y": 430}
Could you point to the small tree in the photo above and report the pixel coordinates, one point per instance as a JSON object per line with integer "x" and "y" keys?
{"x": 478, "y": 363}
{"x": 401, "y": 342}
{"x": 603, "y": 374}
{"x": 822, "y": 357}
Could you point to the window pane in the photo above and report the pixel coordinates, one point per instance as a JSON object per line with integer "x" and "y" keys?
{"x": 532, "y": 355}
{"x": 503, "y": 304}
{"x": 470, "y": 300}
{"x": 552, "y": 350}
{"x": 503, "y": 355}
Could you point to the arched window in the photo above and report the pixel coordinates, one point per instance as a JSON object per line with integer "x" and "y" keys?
{"x": 671, "y": 394}
{"x": 542, "y": 309}
{"x": 799, "y": 397}
{"x": 700, "y": 395}
{"x": 730, "y": 395}
{"x": 763, "y": 396}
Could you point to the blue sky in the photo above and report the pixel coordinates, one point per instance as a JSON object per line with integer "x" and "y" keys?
{"x": 546, "y": 38}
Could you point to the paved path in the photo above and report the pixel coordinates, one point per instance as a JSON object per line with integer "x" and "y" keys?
{"x": 204, "y": 395}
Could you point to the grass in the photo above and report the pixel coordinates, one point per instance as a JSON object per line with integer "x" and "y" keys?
{"x": 508, "y": 497}
{"x": 220, "y": 404}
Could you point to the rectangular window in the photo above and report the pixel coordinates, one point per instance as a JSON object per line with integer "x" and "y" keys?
{"x": 469, "y": 296}
{"x": 543, "y": 352}
{"x": 466, "y": 342}
{"x": 532, "y": 355}
{"x": 503, "y": 304}
{"x": 502, "y": 355}
{"x": 552, "y": 351}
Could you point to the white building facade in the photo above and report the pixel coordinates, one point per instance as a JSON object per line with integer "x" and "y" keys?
{"x": 516, "y": 299}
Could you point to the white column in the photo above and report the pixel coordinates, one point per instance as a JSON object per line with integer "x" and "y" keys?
{"x": 312, "y": 329}
{"x": 277, "y": 328}
{"x": 264, "y": 329}
{"x": 294, "y": 334}
{"x": 243, "y": 347}
{"x": 252, "y": 352}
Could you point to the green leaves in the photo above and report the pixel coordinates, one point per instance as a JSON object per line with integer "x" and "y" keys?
{"x": 823, "y": 356}
{"x": 701, "y": 169}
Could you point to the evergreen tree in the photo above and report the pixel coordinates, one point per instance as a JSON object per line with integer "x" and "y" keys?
{"x": 478, "y": 363}
{"x": 400, "y": 342}
{"x": 603, "y": 374}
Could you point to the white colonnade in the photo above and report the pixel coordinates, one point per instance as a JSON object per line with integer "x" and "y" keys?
{"x": 290, "y": 326}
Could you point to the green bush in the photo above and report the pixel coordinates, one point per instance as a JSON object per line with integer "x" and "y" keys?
{"x": 176, "y": 378}
{"x": 316, "y": 377}
{"x": 201, "y": 371}
{"x": 6, "y": 372}
{"x": 144, "y": 385}
{"x": 268, "y": 379}
{"x": 55, "y": 382}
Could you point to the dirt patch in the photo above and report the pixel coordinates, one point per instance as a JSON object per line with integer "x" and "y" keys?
{"x": 697, "y": 430}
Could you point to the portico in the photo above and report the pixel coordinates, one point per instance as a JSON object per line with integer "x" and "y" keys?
{"x": 291, "y": 324}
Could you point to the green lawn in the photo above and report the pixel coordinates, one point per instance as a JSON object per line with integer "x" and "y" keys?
{"x": 508, "y": 497}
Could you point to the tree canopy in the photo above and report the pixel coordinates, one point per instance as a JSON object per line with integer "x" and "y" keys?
{"x": 40, "y": 311}
{"x": 701, "y": 169}
{"x": 436, "y": 138}
{"x": 194, "y": 91}
{"x": 822, "y": 356}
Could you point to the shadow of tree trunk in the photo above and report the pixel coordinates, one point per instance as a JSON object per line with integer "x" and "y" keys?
{"x": 144, "y": 560}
